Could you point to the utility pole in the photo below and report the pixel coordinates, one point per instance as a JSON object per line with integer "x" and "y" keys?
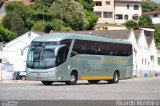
{"x": 1, "y": 72}
{"x": 1, "y": 49}
{"x": 61, "y": 20}
{"x": 43, "y": 13}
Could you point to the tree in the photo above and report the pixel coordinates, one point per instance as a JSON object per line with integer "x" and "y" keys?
{"x": 90, "y": 16}
{"x": 15, "y": 24}
{"x": 157, "y": 35}
{"x": 16, "y": 16}
{"x": 77, "y": 15}
{"x": 55, "y": 25}
{"x": 71, "y": 13}
{"x": 50, "y": 15}
{"x": 131, "y": 24}
{"x": 145, "y": 21}
{"x": 150, "y": 5}
{"x": 39, "y": 26}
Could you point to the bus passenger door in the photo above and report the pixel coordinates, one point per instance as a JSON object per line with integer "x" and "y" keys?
{"x": 60, "y": 62}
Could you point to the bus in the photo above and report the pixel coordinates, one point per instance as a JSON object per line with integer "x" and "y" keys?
{"x": 68, "y": 57}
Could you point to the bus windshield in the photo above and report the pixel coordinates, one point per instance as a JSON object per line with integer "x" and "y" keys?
{"x": 42, "y": 55}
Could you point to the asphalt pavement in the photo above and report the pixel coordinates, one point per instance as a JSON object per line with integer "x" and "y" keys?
{"x": 131, "y": 89}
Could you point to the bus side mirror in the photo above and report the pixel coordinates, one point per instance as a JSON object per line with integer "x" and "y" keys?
{"x": 73, "y": 53}
{"x": 57, "y": 49}
{"x": 22, "y": 50}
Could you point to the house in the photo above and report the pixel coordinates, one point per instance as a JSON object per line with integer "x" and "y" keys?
{"x": 127, "y": 10}
{"x": 158, "y": 51}
{"x": 117, "y": 11}
{"x": 147, "y": 57}
{"x": 144, "y": 49}
{"x": 104, "y": 9}
{"x": 10, "y": 54}
{"x": 155, "y": 16}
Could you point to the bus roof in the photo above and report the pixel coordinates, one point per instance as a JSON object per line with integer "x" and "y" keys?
{"x": 61, "y": 36}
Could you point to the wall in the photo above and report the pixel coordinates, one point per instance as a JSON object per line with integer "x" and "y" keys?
{"x": 121, "y": 8}
{"x": 156, "y": 20}
{"x": 105, "y": 8}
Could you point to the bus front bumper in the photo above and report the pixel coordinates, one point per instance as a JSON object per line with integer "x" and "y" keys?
{"x": 42, "y": 76}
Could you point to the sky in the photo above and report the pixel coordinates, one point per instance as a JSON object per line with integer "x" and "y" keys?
{"x": 158, "y": 1}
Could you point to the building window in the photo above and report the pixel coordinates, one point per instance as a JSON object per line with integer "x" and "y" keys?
{"x": 107, "y": 14}
{"x": 108, "y": 3}
{"x": 142, "y": 61}
{"x": 98, "y": 13}
{"x": 136, "y": 7}
{"x": 155, "y": 15}
{"x": 98, "y": 3}
{"x": 128, "y": 6}
{"x": 126, "y": 17}
{"x": 148, "y": 34}
{"x": 152, "y": 58}
{"x": 105, "y": 28}
{"x": 119, "y": 16}
{"x": 135, "y": 17}
{"x": 158, "y": 60}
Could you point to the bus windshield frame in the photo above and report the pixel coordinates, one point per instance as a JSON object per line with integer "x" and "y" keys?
{"x": 42, "y": 55}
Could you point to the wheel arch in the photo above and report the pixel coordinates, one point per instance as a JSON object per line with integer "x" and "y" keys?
{"x": 74, "y": 71}
{"x": 117, "y": 72}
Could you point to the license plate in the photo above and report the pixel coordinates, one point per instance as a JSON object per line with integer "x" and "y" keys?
{"x": 38, "y": 78}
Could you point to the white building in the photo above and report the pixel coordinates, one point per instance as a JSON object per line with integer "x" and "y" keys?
{"x": 127, "y": 10}
{"x": 11, "y": 53}
{"x": 155, "y": 16}
{"x": 146, "y": 52}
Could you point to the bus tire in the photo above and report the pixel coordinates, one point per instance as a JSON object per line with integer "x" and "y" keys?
{"x": 73, "y": 80}
{"x": 115, "y": 78}
{"x": 23, "y": 77}
{"x": 47, "y": 82}
{"x": 93, "y": 81}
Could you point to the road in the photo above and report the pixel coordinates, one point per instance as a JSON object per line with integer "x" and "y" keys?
{"x": 131, "y": 89}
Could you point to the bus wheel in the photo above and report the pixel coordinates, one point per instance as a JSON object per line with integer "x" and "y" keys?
{"x": 93, "y": 81}
{"x": 115, "y": 78}
{"x": 23, "y": 77}
{"x": 73, "y": 79}
{"x": 47, "y": 82}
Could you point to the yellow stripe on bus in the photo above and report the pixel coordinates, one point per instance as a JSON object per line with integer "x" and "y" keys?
{"x": 96, "y": 77}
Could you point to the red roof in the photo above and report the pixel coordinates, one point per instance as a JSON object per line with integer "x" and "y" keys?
{"x": 27, "y": 3}
{"x": 129, "y": 1}
{"x": 151, "y": 13}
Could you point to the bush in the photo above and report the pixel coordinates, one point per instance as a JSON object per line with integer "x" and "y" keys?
{"x": 157, "y": 35}
{"x": 145, "y": 21}
{"x": 131, "y": 24}
{"x": 6, "y": 35}
{"x": 67, "y": 29}
{"x": 39, "y": 26}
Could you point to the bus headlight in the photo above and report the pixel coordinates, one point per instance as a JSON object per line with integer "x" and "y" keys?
{"x": 50, "y": 72}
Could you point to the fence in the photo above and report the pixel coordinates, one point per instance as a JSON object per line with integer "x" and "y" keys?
{"x": 145, "y": 73}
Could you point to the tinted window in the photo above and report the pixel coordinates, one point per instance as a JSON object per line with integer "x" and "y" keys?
{"x": 101, "y": 48}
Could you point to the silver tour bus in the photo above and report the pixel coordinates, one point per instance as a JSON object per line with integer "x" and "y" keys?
{"x": 68, "y": 57}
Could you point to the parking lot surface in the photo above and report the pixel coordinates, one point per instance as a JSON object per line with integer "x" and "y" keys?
{"x": 131, "y": 89}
